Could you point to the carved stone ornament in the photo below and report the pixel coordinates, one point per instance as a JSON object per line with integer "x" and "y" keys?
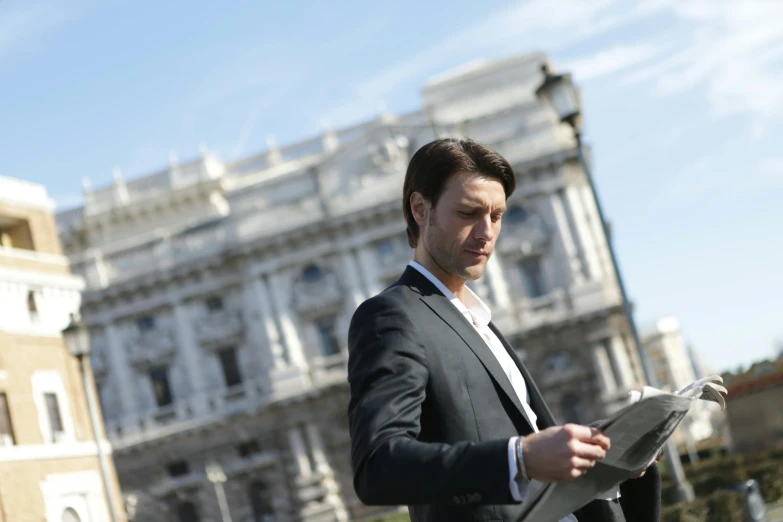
{"x": 528, "y": 237}
{"x": 220, "y": 328}
{"x": 316, "y": 295}
{"x": 152, "y": 347}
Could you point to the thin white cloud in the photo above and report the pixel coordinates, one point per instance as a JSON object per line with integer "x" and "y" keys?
{"x": 733, "y": 51}
{"x": 612, "y": 60}
{"x": 521, "y": 27}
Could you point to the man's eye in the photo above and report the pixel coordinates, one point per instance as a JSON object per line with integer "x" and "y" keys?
{"x": 496, "y": 218}
{"x": 466, "y": 214}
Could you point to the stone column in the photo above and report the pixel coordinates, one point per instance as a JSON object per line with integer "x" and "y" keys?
{"x": 257, "y": 297}
{"x": 189, "y": 349}
{"x": 496, "y": 281}
{"x": 352, "y": 279}
{"x": 594, "y": 222}
{"x": 299, "y": 451}
{"x": 354, "y": 294}
{"x": 317, "y": 449}
{"x": 322, "y": 466}
{"x": 621, "y": 363}
{"x": 581, "y": 220}
{"x": 603, "y": 368}
{"x": 120, "y": 367}
{"x": 564, "y": 231}
{"x": 281, "y": 297}
{"x": 368, "y": 263}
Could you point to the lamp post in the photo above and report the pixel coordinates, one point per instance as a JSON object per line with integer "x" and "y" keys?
{"x": 217, "y": 477}
{"x": 77, "y": 339}
{"x": 559, "y": 92}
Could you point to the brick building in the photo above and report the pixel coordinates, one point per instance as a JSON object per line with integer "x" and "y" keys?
{"x": 49, "y": 466}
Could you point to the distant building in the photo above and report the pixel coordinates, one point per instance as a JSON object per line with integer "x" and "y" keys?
{"x": 755, "y": 407}
{"x": 49, "y": 468}
{"x": 673, "y": 368}
{"x": 219, "y": 297}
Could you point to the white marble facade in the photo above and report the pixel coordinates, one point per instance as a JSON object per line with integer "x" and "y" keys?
{"x": 219, "y": 296}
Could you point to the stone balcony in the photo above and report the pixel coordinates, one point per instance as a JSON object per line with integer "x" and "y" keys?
{"x": 317, "y": 297}
{"x": 394, "y": 259}
{"x": 220, "y": 328}
{"x": 206, "y": 407}
{"x": 156, "y": 346}
{"x": 525, "y": 238}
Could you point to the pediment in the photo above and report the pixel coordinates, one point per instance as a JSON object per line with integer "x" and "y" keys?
{"x": 375, "y": 154}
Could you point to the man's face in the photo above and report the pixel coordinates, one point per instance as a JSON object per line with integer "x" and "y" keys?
{"x": 459, "y": 234}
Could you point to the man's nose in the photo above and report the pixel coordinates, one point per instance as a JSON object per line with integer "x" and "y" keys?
{"x": 484, "y": 229}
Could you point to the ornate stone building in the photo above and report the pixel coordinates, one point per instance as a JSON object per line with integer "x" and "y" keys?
{"x": 219, "y": 297}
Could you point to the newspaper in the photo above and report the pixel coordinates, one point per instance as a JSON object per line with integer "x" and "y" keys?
{"x": 638, "y": 432}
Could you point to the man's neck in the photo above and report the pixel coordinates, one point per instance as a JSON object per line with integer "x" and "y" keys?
{"x": 455, "y": 284}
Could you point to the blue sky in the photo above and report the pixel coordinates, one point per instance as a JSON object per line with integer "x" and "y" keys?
{"x": 682, "y": 101}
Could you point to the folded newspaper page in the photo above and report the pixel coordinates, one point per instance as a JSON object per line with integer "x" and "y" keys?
{"x": 638, "y": 433}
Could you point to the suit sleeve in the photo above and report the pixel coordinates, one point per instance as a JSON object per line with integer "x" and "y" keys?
{"x": 388, "y": 376}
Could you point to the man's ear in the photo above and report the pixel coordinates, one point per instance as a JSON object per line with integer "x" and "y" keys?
{"x": 420, "y": 208}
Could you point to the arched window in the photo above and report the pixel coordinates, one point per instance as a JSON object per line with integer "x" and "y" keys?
{"x": 187, "y": 512}
{"x": 259, "y": 501}
{"x": 571, "y": 408}
{"x": 70, "y": 515}
{"x": 312, "y": 273}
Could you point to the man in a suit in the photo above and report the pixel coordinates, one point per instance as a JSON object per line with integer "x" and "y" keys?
{"x": 443, "y": 415}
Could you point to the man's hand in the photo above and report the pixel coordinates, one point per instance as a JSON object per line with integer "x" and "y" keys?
{"x": 562, "y": 453}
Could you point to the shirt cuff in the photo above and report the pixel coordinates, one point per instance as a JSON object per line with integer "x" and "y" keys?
{"x": 518, "y": 490}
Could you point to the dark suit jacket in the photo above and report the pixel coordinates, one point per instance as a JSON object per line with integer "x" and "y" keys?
{"x": 431, "y": 410}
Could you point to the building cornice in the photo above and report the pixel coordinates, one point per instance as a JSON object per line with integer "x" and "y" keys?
{"x": 72, "y": 450}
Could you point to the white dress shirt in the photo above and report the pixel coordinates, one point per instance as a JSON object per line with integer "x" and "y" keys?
{"x": 479, "y": 315}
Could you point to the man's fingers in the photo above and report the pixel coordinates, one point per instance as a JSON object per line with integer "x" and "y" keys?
{"x": 588, "y": 435}
{"x": 581, "y": 464}
{"x": 589, "y": 451}
{"x": 599, "y": 438}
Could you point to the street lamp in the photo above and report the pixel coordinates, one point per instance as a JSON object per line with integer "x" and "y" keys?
{"x": 77, "y": 339}
{"x": 559, "y": 91}
{"x": 217, "y": 477}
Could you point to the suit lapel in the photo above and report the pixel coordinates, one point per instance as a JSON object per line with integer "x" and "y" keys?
{"x": 539, "y": 407}
{"x": 439, "y": 304}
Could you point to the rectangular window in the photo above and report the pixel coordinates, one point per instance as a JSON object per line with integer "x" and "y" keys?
{"x": 328, "y": 336}
{"x": 178, "y": 468}
{"x": 146, "y": 323}
{"x": 32, "y": 305}
{"x": 55, "y": 419}
{"x": 160, "y": 386}
{"x": 533, "y": 277}
{"x": 385, "y": 248}
{"x": 214, "y": 304}
{"x": 249, "y": 448}
{"x": 6, "y": 428}
{"x": 230, "y": 365}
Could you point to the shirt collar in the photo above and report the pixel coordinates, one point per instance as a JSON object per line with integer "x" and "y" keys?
{"x": 473, "y": 308}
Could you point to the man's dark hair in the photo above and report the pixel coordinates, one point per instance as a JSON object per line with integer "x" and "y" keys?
{"x": 436, "y": 162}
